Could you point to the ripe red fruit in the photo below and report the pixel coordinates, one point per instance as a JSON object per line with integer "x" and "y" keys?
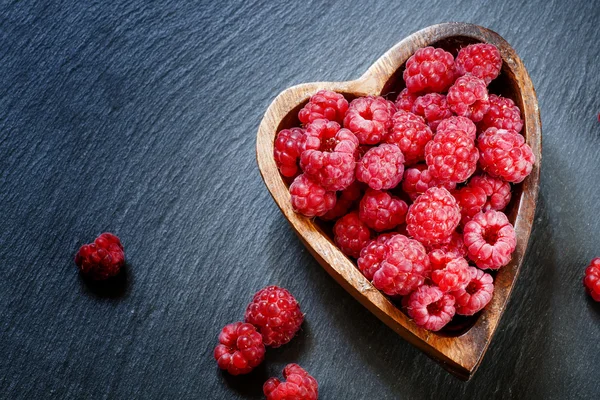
{"x": 451, "y": 156}
{"x": 324, "y": 104}
{"x": 372, "y": 255}
{"x": 351, "y": 234}
{"x": 433, "y": 217}
{"x": 429, "y": 70}
{"x": 471, "y": 200}
{"x": 381, "y": 167}
{"x": 410, "y": 133}
{"x": 502, "y": 114}
{"x": 481, "y": 59}
{"x": 458, "y": 123}
{"x": 505, "y": 154}
{"x": 382, "y": 211}
{"x": 476, "y": 294}
{"x": 309, "y": 198}
{"x": 101, "y": 259}
{"x": 299, "y": 385}
{"x": 240, "y": 348}
{"x": 345, "y": 201}
{"x": 490, "y": 239}
{"x": 591, "y": 281}
{"x": 287, "y": 149}
{"x": 369, "y": 118}
{"x": 454, "y": 275}
{"x": 430, "y": 308}
{"x": 434, "y": 108}
{"x": 405, "y": 100}
{"x": 418, "y": 179}
{"x": 468, "y": 97}
{"x": 496, "y": 190}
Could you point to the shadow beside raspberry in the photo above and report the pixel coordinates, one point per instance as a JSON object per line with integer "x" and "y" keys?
{"x": 117, "y": 287}
{"x": 248, "y": 385}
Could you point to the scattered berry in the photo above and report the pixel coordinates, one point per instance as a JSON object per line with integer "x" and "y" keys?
{"x": 310, "y": 199}
{"x": 381, "y": 211}
{"x": 372, "y": 255}
{"x": 496, "y": 190}
{"x": 451, "y": 156}
{"x": 325, "y": 104}
{"x": 457, "y": 123}
{"x": 240, "y": 348}
{"x": 345, "y": 201}
{"x": 299, "y": 385}
{"x": 434, "y": 108}
{"x": 369, "y": 118}
{"x": 490, "y": 239}
{"x": 351, "y": 234}
{"x": 454, "y": 275}
{"x": 433, "y": 217}
{"x": 101, "y": 259}
{"x": 502, "y": 114}
{"x": 592, "y": 279}
{"x": 505, "y": 154}
{"x": 429, "y": 70}
{"x": 288, "y": 147}
{"x": 410, "y": 133}
{"x": 405, "y": 100}
{"x": 381, "y": 167}
{"x": 471, "y": 200}
{"x": 476, "y": 295}
{"x": 418, "y": 179}
{"x": 481, "y": 60}
{"x": 430, "y": 308}
{"x": 468, "y": 97}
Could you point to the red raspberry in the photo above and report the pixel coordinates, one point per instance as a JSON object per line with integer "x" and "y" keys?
{"x": 468, "y": 97}
{"x": 405, "y": 100}
{"x": 351, "y": 234}
{"x": 481, "y": 60}
{"x": 299, "y": 385}
{"x": 320, "y": 135}
{"x": 344, "y": 203}
{"x": 240, "y": 348}
{"x": 438, "y": 258}
{"x": 429, "y": 70}
{"x": 381, "y": 167}
{"x": 433, "y": 217}
{"x": 325, "y": 104}
{"x": 430, "y": 308}
{"x": 410, "y": 133}
{"x": 505, "y": 154}
{"x": 490, "y": 239}
{"x": 455, "y": 246}
{"x": 497, "y": 191}
{"x": 288, "y": 147}
{"x": 502, "y": 114}
{"x": 405, "y": 267}
{"x": 476, "y": 295}
{"x": 454, "y": 275}
{"x": 418, "y": 179}
{"x": 381, "y": 211}
{"x": 458, "y": 123}
{"x": 372, "y": 255}
{"x": 451, "y": 156}
{"x": 369, "y": 118}
{"x": 103, "y": 258}
{"x": 276, "y": 315}
{"x": 592, "y": 279}
{"x": 434, "y": 108}
{"x": 471, "y": 200}
{"x": 310, "y": 199}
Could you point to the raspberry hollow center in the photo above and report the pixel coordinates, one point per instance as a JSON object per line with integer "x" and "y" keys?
{"x": 328, "y": 145}
{"x": 434, "y": 308}
{"x": 490, "y": 237}
{"x": 472, "y": 287}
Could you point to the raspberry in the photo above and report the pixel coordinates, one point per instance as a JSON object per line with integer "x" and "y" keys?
{"x": 502, "y": 114}
{"x": 468, "y": 97}
{"x": 451, "y": 156}
{"x": 320, "y": 135}
{"x": 454, "y": 275}
{"x": 369, "y": 118}
{"x": 490, "y": 239}
{"x": 430, "y": 308}
{"x": 434, "y": 108}
{"x": 309, "y": 198}
{"x": 418, "y": 179}
{"x": 344, "y": 203}
{"x": 240, "y": 348}
{"x": 405, "y": 100}
{"x": 103, "y": 258}
{"x": 505, "y": 154}
{"x": 381, "y": 167}
{"x": 497, "y": 191}
{"x": 381, "y": 211}
{"x": 592, "y": 279}
{"x": 299, "y": 385}
{"x": 458, "y": 123}
{"x": 288, "y": 147}
{"x": 481, "y": 60}
{"x": 410, "y": 133}
{"x": 276, "y": 315}
{"x": 429, "y": 70}
{"x": 438, "y": 258}
{"x": 476, "y": 295}
{"x": 372, "y": 255}
{"x": 471, "y": 200}
{"x": 324, "y": 104}
{"x": 455, "y": 246}
{"x": 351, "y": 234}
{"x": 433, "y": 217}
{"x": 405, "y": 267}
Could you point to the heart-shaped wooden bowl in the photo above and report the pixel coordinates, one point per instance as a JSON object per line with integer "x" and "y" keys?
{"x": 461, "y": 350}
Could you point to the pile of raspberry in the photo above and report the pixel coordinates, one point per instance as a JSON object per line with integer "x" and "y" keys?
{"x": 415, "y": 189}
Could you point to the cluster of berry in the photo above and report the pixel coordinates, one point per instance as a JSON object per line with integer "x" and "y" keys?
{"x": 416, "y": 187}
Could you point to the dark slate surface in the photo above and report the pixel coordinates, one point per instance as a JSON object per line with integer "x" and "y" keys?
{"x": 140, "y": 118}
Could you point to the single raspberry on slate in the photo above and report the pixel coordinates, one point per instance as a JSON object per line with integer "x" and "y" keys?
{"x": 405, "y": 267}
{"x": 457, "y": 123}
{"x": 429, "y": 70}
{"x": 468, "y": 97}
{"x": 434, "y": 108}
{"x": 345, "y": 201}
{"x": 288, "y": 147}
{"x": 325, "y": 104}
{"x": 372, "y": 255}
{"x": 382, "y": 211}
{"x": 481, "y": 60}
{"x": 101, "y": 259}
{"x": 369, "y": 118}
{"x": 299, "y": 385}
{"x": 454, "y": 275}
{"x": 240, "y": 348}
{"x": 430, "y": 308}
{"x": 309, "y": 198}
{"x": 433, "y": 217}
{"x": 351, "y": 234}
{"x": 502, "y": 114}
{"x": 276, "y": 315}
{"x": 451, "y": 156}
{"x": 490, "y": 239}
{"x": 497, "y": 191}
{"x": 418, "y": 179}
{"x": 405, "y": 100}
{"x": 455, "y": 246}
{"x": 410, "y": 133}
{"x": 476, "y": 295}
{"x": 471, "y": 200}
{"x": 505, "y": 154}
{"x": 591, "y": 281}
{"x": 381, "y": 167}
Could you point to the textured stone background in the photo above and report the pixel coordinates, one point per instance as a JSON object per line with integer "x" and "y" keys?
{"x": 140, "y": 118}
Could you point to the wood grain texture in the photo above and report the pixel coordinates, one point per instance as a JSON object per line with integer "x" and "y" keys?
{"x": 460, "y": 354}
